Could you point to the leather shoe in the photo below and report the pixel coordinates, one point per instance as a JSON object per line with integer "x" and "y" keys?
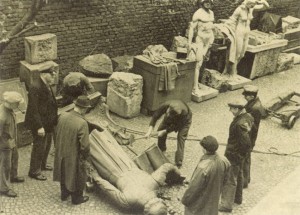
{"x": 9, "y": 193}
{"x": 17, "y": 180}
{"x": 64, "y": 196}
{"x": 80, "y": 200}
{"x": 223, "y": 209}
{"x": 39, "y": 177}
{"x": 47, "y": 168}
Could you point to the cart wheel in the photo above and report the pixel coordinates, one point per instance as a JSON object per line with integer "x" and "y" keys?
{"x": 291, "y": 122}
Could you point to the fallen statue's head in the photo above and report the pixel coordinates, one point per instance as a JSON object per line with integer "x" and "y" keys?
{"x": 155, "y": 206}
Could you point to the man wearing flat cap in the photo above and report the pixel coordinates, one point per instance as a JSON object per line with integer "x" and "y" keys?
{"x": 8, "y": 149}
{"x": 203, "y": 193}
{"x": 41, "y": 118}
{"x": 238, "y": 145}
{"x": 257, "y": 111}
{"x": 74, "y": 85}
{"x": 72, "y": 149}
{"x": 178, "y": 118}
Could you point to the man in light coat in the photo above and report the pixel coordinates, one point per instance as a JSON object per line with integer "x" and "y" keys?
{"x": 8, "y": 137}
{"x": 72, "y": 150}
{"x": 203, "y": 194}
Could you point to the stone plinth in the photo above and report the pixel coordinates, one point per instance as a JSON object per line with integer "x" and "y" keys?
{"x": 205, "y": 93}
{"x": 98, "y": 65}
{"x": 40, "y": 48}
{"x": 216, "y": 80}
{"x": 100, "y": 84}
{"x": 260, "y": 60}
{"x": 30, "y": 72}
{"x": 122, "y": 63}
{"x": 124, "y": 94}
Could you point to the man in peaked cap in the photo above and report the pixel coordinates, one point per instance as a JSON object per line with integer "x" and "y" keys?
{"x": 8, "y": 136}
{"x": 203, "y": 194}
{"x": 255, "y": 108}
{"x": 238, "y": 145}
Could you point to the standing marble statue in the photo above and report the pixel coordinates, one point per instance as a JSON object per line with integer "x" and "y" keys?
{"x": 198, "y": 45}
{"x": 238, "y": 29}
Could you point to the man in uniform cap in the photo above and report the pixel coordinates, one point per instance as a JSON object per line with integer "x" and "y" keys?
{"x": 41, "y": 118}
{"x": 238, "y": 145}
{"x": 203, "y": 193}
{"x": 8, "y": 149}
{"x": 257, "y": 111}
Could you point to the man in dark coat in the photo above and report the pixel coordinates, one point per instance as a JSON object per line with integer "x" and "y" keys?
{"x": 255, "y": 108}
{"x": 178, "y": 118}
{"x": 41, "y": 118}
{"x": 72, "y": 150}
{"x": 238, "y": 145}
{"x": 203, "y": 193}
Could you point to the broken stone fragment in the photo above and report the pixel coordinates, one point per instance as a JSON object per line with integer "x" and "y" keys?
{"x": 213, "y": 78}
{"x": 179, "y": 42}
{"x": 40, "y": 48}
{"x": 98, "y": 65}
{"x": 285, "y": 62}
{"x": 124, "y": 94}
{"x": 122, "y": 63}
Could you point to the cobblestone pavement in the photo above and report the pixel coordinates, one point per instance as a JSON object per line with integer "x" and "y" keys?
{"x": 209, "y": 118}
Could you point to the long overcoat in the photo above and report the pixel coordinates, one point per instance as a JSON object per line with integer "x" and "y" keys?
{"x": 42, "y": 107}
{"x": 72, "y": 148}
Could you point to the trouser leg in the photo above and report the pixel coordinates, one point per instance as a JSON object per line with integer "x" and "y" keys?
{"x": 5, "y": 166}
{"x": 48, "y": 142}
{"x": 162, "y": 140}
{"x": 14, "y": 163}
{"x": 37, "y": 154}
{"x": 239, "y": 186}
{"x": 77, "y": 195}
{"x": 246, "y": 170}
{"x": 229, "y": 189}
{"x": 181, "y": 138}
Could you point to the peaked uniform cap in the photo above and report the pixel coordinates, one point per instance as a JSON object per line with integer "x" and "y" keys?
{"x": 250, "y": 90}
{"x": 237, "y": 103}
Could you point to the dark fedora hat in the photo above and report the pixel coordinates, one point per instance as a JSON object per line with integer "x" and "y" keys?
{"x": 82, "y": 101}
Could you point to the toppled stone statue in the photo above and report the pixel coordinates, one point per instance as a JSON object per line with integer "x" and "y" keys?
{"x": 119, "y": 177}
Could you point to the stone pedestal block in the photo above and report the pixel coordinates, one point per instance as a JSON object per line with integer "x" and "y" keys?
{"x": 124, "y": 94}
{"x": 205, "y": 93}
{"x": 100, "y": 84}
{"x": 40, "y": 48}
{"x": 122, "y": 63}
{"x": 29, "y": 72}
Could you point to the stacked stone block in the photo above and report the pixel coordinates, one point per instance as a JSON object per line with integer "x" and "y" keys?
{"x": 124, "y": 94}
{"x": 40, "y": 51}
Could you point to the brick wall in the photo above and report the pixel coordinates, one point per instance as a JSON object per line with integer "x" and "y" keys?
{"x": 113, "y": 27}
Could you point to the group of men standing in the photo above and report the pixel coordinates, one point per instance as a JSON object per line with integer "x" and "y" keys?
{"x": 213, "y": 175}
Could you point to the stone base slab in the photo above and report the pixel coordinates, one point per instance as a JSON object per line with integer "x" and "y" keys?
{"x": 237, "y": 82}
{"x": 30, "y": 72}
{"x": 205, "y": 93}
